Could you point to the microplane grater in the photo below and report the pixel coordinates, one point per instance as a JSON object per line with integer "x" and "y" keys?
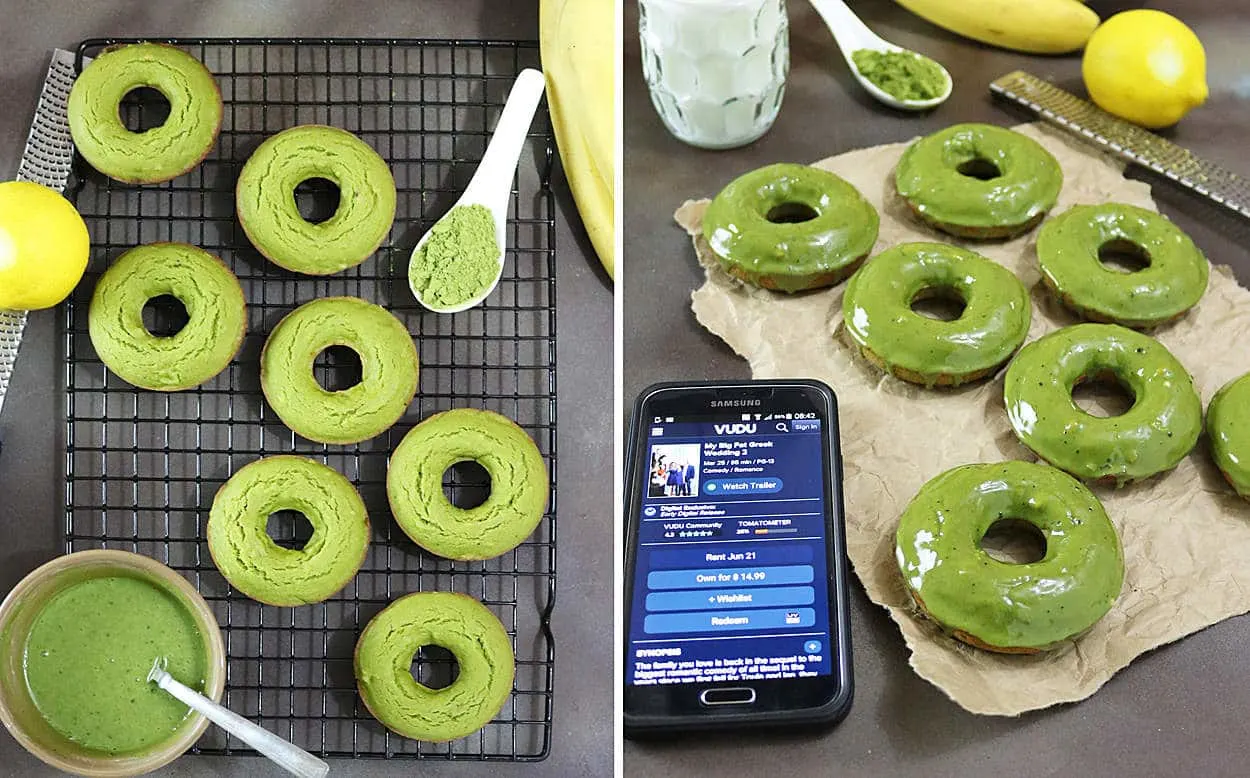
{"x": 47, "y": 160}
{"x": 1126, "y": 140}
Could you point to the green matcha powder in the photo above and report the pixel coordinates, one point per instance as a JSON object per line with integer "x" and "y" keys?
{"x": 903, "y": 75}
{"x": 460, "y": 259}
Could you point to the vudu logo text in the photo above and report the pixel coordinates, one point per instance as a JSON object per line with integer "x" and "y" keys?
{"x": 734, "y": 429}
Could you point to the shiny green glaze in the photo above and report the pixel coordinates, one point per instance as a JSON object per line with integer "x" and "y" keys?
{"x": 790, "y": 257}
{"x": 878, "y": 316}
{"x": 1228, "y": 426}
{"x": 1151, "y": 437}
{"x": 928, "y": 177}
{"x": 1002, "y": 604}
{"x": 1067, "y": 250}
{"x": 87, "y": 658}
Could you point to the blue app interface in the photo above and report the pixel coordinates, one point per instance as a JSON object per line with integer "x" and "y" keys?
{"x": 731, "y": 577}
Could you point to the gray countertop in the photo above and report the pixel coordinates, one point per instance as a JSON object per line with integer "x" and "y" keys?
{"x": 1181, "y": 710}
{"x": 32, "y": 422}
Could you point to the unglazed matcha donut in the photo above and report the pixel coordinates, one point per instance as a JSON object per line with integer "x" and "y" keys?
{"x": 217, "y": 317}
{"x": 457, "y": 623}
{"x": 1228, "y": 426}
{"x": 879, "y": 319}
{"x": 518, "y": 484}
{"x": 160, "y": 153}
{"x": 257, "y": 566}
{"x": 1002, "y": 606}
{"x": 388, "y": 360}
{"x": 1172, "y": 283}
{"x": 979, "y": 181}
{"x": 265, "y": 200}
{"x": 1152, "y": 436}
{"x": 790, "y": 228}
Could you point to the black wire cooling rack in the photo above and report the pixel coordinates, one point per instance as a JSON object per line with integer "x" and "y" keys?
{"x": 142, "y": 467}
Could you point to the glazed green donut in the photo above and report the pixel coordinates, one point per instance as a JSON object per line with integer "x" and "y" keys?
{"x": 265, "y": 200}
{"x": 217, "y": 317}
{"x": 257, "y": 566}
{"x": 749, "y": 227}
{"x": 876, "y": 310}
{"x": 457, "y": 623}
{"x": 1067, "y": 250}
{"x": 1151, "y": 437}
{"x": 961, "y": 203}
{"x": 1228, "y": 426}
{"x": 1002, "y": 606}
{"x": 158, "y": 154}
{"x": 388, "y": 360}
{"x": 518, "y": 484}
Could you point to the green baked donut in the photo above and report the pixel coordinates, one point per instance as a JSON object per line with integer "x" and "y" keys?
{"x": 257, "y": 566}
{"x": 265, "y": 200}
{"x": 457, "y": 623}
{"x": 979, "y": 181}
{"x": 216, "y": 323}
{"x": 790, "y": 228}
{"x": 877, "y": 312}
{"x": 1172, "y": 283}
{"x": 158, "y": 154}
{"x": 1002, "y": 606}
{"x": 518, "y": 484}
{"x": 1152, "y": 436}
{"x": 388, "y": 360}
{"x": 1228, "y": 426}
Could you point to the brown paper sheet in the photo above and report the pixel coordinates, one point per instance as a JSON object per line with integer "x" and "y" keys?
{"x": 1186, "y": 536}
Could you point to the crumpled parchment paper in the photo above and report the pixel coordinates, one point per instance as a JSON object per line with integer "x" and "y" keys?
{"x": 1186, "y": 535}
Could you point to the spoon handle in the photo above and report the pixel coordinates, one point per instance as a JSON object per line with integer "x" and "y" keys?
{"x": 289, "y": 756}
{"x": 492, "y": 183}
{"x": 848, "y": 30}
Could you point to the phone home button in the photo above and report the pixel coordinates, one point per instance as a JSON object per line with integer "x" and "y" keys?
{"x": 739, "y": 695}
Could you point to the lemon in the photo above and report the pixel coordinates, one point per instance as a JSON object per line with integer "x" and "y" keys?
{"x": 1145, "y": 66}
{"x": 43, "y": 247}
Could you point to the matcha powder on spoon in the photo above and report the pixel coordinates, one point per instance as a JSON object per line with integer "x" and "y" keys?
{"x": 904, "y": 75}
{"x": 459, "y": 261}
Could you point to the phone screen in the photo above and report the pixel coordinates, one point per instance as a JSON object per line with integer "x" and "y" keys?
{"x": 731, "y": 574}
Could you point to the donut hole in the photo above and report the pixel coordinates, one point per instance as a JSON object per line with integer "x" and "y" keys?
{"x": 979, "y": 168}
{"x": 289, "y": 529}
{"x": 1123, "y": 256}
{"x": 791, "y": 213}
{"x": 143, "y": 108}
{"x": 338, "y": 368}
{"x": 1103, "y": 395}
{"x": 1014, "y": 542}
{"x": 942, "y": 303}
{"x": 317, "y": 199}
{"x": 164, "y": 316}
{"x": 434, "y": 667}
{"x": 466, "y": 485}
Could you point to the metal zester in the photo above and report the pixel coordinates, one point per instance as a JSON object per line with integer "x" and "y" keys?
{"x": 1126, "y": 140}
{"x": 47, "y": 160}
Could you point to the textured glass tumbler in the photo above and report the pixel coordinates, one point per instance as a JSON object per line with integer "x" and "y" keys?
{"x": 716, "y": 68}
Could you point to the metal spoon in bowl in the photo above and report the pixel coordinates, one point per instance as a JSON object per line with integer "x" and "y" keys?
{"x": 853, "y": 35}
{"x": 491, "y": 185}
{"x": 289, "y": 756}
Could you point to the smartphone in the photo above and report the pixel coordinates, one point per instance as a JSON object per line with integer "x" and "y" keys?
{"x": 736, "y": 610}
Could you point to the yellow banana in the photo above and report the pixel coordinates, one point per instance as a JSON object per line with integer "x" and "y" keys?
{"x": 578, "y": 39}
{"x": 1034, "y": 26}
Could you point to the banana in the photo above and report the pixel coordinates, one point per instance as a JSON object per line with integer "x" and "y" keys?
{"x": 578, "y": 46}
{"x": 1035, "y": 26}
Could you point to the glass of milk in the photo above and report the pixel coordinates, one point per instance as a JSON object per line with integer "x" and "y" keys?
{"x": 716, "y": 68}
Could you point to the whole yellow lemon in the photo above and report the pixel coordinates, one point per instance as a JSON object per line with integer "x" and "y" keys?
{"x": 43, "y": 246}
{"x": 1145, "y": 66}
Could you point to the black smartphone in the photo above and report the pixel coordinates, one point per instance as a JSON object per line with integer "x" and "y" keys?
{"x": 736, "y": 610}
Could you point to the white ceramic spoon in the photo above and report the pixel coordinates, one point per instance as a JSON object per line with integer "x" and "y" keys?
{"x": 491, "y": 185}
{"x": 289, "y": 756}
{"x": 852, "y": 35}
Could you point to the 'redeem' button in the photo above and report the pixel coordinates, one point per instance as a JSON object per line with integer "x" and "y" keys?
{"x": 738, "y": 695}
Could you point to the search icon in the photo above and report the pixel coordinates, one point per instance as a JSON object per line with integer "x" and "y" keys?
{"x": 781, "y": 427}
